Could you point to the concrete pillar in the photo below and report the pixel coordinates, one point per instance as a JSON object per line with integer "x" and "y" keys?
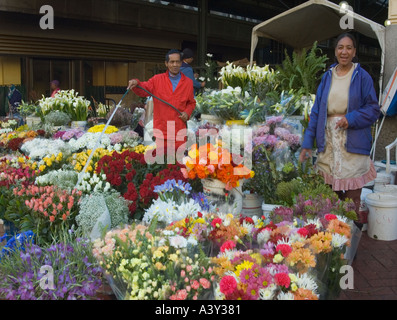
{"x": 393, "y": 11}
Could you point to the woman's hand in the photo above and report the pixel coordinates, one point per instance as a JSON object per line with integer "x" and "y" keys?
{"x": 305, "y": 154}
{"x": 342, "y": 123}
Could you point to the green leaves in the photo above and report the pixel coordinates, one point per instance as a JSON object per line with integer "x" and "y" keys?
{"x": 302, "y": 70}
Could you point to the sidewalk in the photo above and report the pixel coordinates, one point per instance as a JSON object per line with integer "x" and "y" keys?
{"x": 375, "y": 271}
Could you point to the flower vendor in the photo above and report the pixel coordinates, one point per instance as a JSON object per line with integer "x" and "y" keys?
{"x": 175, "y": 88}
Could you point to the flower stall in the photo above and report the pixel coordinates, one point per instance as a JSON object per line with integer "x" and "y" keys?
{"x": 173, "y": 231}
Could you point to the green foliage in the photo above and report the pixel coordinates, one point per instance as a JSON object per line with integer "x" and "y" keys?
{"x": 57, "y": 118}
{"x": 302, "y": 70}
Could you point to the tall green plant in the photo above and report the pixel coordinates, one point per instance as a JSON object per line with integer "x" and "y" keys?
{"x": 302, "y": 70}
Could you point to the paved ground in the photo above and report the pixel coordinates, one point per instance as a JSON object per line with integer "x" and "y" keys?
{"x": 375, "y": 271}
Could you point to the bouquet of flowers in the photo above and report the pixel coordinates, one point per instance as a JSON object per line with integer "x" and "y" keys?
{"x": 79, "y": 160}
{"x": 57, "y": 118}
{"x": 253, "y": 79}
{"x": 173, "y": 203}
{"x": 94, "y": 205}
{"x": 246, "y": 275}
{"x": 128, "y": 173}
{"x": 76, "y": 272}
{"x": 273, "y": 157}
{"x": 47, "y": 211}
{"x": 275, "y": 103}
{"x": 150, "y": 265}
{"x": 213, "y": 161}
{"x": 232, "y": 103}
{"x": 63, "y": 178}
{"x": 100, "y": 127}
{"x": 68, "y": 134}
{"x": 68, "y": 101}
{"x": 39, "y": 148}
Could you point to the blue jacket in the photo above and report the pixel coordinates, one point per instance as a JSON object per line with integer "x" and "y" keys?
{"x": 363, "y": 110}
{"x": 187, "y": 70}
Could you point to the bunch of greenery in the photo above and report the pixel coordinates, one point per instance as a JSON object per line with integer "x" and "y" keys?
{"x": 94, "y": 205}
{"x": 27, "y": 109}
{"x": 302, "y": 70}
{"x": 57, "y": 118}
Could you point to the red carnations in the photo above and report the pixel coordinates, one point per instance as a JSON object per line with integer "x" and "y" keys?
{"x": 129, "y": 174}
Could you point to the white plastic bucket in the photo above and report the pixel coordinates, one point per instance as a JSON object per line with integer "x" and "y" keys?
{"x": 267, "y": 209}
{"x": 215, "y": 192}
{"x": 382, "y": 217}
{"x": 252, "y": 205}
{"x": 382, "y": 179}
{"x": 363, "y": 212}
{"x": 389, "y": 188}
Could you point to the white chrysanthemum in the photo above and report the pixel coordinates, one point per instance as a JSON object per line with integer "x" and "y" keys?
{"x": 264, "y": 236}
{"x": 338, "y": 240}
{"x": 314, "y": 221}
{"x": 285, "y": 296}
{"x": 283, "y": 241}
{"x": 229, "y": 254}
{"x": 305, "y": 281}
{"x": 267, "y": 293}
{"x": 178, "y": 241}
{"x": 343, "y": 219}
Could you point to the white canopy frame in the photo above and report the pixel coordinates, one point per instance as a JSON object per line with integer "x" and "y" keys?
{"x": 318, "y": 20}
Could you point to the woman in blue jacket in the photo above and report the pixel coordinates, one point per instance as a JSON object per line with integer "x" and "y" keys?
{"x": 346, "y": 106}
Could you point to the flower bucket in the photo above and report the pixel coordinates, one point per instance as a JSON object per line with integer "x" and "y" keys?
{"x": 267, "y": 209}
{"x": 388, "y": 188}
{"x": 236, "y": 122}
{"x": 382, "y": 179}
{"x": 78, "y": 125}
{"x": 363, "y": 211}
{"x": 382, "y": 217}
{"x": 252, "y": 205}
{"x": 215, "y": 191}
{"x": 31, "y": 121}
{"x": 211, "y": 119}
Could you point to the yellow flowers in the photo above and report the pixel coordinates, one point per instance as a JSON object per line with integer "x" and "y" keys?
{"x": 79, "y": 160}
{"x": 49, "y": 162}
{"x": 246, "y": 265}
{"x": 142, "y": 149}
{"x": 100, "y": 127}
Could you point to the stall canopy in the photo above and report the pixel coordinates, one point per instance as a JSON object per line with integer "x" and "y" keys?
{"x": 315, "y": 20}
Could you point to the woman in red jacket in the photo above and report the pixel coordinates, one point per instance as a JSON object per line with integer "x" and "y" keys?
{"x": 170, "y": 128}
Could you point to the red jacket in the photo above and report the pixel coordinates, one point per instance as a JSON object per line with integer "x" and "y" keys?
{"x": 182, "y": 98}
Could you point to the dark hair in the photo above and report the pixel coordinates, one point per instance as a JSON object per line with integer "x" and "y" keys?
{"x": 344, "y": 35}
{"x": 172, "y": 51}
{"x": 352, "y": 38}
{"x": 187, "y": 53}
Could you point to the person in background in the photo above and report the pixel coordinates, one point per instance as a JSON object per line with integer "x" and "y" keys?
{"x": 176, "y": 89}
{"x": 187, "y": 56}
{"x": 14, "y": 98}
{"x": 345, "y": 108}
{"x": 54, "y": 85}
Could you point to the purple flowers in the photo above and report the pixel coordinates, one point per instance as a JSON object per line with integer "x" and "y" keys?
{"x": 76, "y": 273}
{"x": 69, "y": 134}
